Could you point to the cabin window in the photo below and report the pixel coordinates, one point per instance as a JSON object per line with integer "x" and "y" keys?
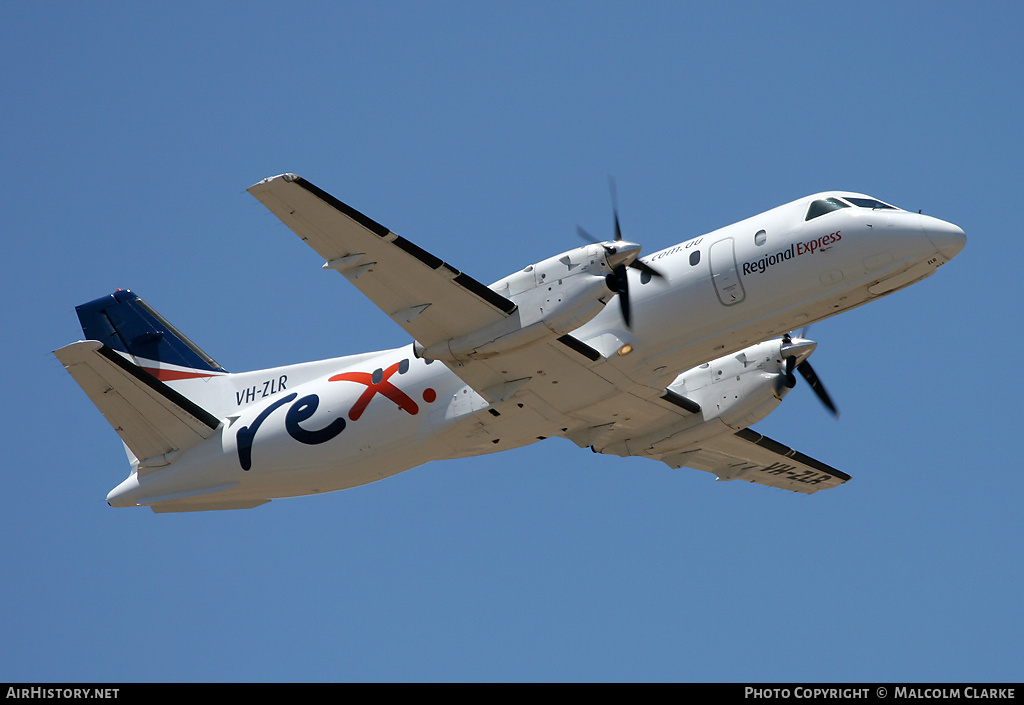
{"x": 759, "y": 237}
{"x": 694, "y": 258}
{"x": 825, "y": 205}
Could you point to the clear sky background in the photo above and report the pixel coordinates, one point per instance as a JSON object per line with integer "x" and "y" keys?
{"x": 484, "y": 132}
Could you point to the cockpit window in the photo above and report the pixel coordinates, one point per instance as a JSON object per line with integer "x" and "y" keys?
{"x": 826, "y": 205}
{"x": 868, "y": 203}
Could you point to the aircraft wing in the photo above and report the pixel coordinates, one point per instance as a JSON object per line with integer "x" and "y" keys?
{"x": 564, "y": 379}
{"x": 748, "y": 455}
{"x": 430, "y": 299}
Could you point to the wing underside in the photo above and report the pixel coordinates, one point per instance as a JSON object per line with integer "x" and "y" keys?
{"x": 748, "y": 455}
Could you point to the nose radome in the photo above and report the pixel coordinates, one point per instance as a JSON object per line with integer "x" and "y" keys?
{"x": 948, "y": 239}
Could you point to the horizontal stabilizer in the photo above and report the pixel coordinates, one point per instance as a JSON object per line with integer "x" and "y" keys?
{"x": 748, "y": 455}
{"x": 154, "y": 421}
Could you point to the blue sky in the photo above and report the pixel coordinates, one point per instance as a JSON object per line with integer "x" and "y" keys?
{"x": 484, "y": 132}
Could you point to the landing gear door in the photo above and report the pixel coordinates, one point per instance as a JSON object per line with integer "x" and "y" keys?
{"x": 724, "y": 274}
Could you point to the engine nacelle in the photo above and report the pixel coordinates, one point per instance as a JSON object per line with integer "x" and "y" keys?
{"x": 739, "y": 389}
{"x": 552, "y": 298}
{"x": 733, "y": 392}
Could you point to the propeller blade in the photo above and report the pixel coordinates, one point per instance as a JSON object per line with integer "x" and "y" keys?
{"x": 622, "y": 286}
{"x": 615, "y": 207}
{"x": 802, "y": 348}
{"x": 620, "y": 257}
{"x": 789, "y": 380}
{"x": 587, "y": 236}
{"x": 644, "y": 267}
{"x": 812, "y": 379}
{"x": 618, "y": 281}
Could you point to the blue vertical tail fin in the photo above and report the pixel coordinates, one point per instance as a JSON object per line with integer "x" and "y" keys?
{"x": 124, "y": 322}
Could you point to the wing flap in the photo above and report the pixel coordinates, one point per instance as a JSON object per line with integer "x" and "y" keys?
{"x": 430, "y": 299}
{"x": 153, "y": 420}
{"x": 748, "y": 455}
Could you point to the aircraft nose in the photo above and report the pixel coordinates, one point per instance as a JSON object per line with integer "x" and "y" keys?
{"x": 948, "y": 239}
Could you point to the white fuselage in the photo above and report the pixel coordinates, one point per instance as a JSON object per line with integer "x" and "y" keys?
{"x": 340, "y": 423}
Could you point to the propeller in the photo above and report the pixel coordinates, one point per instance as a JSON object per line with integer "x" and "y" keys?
{"x": 620, "y": 255}
{"x": 791, "y": 350}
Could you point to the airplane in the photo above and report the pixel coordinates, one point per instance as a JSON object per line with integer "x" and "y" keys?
{"x": 699, "y": 348}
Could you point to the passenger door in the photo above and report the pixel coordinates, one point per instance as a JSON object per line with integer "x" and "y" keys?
{"x": 722, "y": 258}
